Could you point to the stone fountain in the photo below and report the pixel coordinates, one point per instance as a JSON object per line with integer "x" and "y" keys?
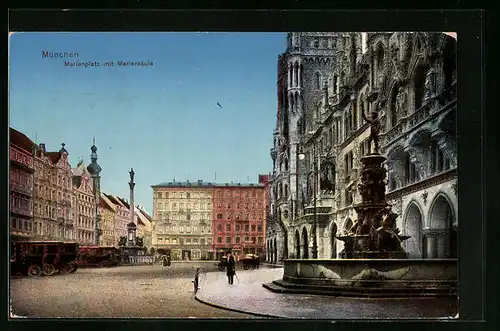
{"x": 373, "y": 262}
{"x": 374, "y": 235}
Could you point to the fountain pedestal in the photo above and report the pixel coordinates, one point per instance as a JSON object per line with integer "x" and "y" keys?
{"x": 374, "y": 235}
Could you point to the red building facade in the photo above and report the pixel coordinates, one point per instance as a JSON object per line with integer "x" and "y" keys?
{"x": 239, "y": 218}
{"x": 21, "y": 185}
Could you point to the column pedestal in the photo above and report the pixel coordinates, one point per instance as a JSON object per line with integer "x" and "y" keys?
{"x": 436, "y": 243}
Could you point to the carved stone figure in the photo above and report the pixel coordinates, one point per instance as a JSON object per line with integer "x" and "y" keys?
{"x": 395, "y": 55}
{"x": 380, "y": 79}
{"x": 388, "y": 238}
{"x": 429, "y": 85}
{"x": 327, "y": 177}
{"x": 374, "y": 131}
{"x": 401, "y": 101}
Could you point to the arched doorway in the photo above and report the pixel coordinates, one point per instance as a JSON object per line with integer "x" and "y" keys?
{"x": 442, "y": 218}
{"x": 305, "y": 244}
{"x": 269, "y": 252}
{"x": 275, "y": 251}
{"x": 285, "y": 244}
{"x": 297, "y": 244}
{"x": 333, "y": 241}
{"x": 413, "y": 228}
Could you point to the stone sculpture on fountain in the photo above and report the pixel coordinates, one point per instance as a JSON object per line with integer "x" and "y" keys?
{"x": 374, "y": 234}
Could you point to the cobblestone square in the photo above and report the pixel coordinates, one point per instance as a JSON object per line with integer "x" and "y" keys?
{"x": 139, "y": 291}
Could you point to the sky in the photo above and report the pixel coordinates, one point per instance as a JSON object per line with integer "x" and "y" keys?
{"x": 162, "y": 120}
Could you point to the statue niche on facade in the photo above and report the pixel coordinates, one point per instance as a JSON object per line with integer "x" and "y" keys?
{"x": 310, "y": 187}
{"x": 429, "y": 90}
{"x": 327, "y": 177}
{"x": 375, "y": 128}
{"x": 401, "y": 102}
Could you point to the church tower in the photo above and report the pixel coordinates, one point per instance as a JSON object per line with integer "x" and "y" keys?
{"x": 94, "y": 169}
{"x": 311, "y": 66}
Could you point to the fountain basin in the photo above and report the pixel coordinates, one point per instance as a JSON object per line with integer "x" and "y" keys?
{"x": 369, "y": 277}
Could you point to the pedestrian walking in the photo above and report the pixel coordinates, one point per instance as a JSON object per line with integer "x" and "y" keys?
{"x": 231, "y": 268}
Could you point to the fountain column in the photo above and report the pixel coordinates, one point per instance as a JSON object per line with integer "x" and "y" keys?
{"x": 131, "y": 185}
{"x": 131, "y": 225}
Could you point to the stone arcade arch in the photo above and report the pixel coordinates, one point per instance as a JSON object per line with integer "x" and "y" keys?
{"x": 412, "y": 225}
{"x": 275, "y": 251}
{"x": 305, "y": 244}
{"x": 271, "y": 251}
{"x": 268, "y": 251}
{"x": 284, "y": 232}
{"x": 421, "y": 147}
{"x": 441, "y": 239}
{"x": 297, "y": 244}
{"x": 333, "y": 241}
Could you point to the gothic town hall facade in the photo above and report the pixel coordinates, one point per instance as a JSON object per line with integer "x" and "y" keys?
{"x": 326, "y": 81}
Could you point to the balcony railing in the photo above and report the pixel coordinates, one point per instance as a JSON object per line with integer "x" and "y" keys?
{"x": 20, "y": 157}
{"x": 393, "y": 133}
{"x": 419, "y": 116}
{"x": 22, "y": 211}
{"x": 20, "y": 188}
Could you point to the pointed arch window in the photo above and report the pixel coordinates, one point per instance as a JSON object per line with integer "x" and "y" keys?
{"x": 317, "y": 80}
{"x": 419, "y": 86}
{"x": 354, "y": 115}
{"x": 394, "y": 111}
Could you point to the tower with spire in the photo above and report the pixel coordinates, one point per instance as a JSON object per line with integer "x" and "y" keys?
{"x": 94, "y": 169}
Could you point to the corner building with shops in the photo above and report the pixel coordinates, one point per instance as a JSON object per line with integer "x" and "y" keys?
{"x": 239, "y": 221}
{"x": 203, "y": 220}
{"x": 326, "y": 81}
{"x": 182, "y": 219}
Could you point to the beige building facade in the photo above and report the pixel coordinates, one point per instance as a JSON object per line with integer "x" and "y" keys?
{"x": 107, "y": 210}
{"x": 84, "y": 205}
{"x": 121, "y": 217}
{"x": 52, "y": 196}
{"x": 182, "y": 220}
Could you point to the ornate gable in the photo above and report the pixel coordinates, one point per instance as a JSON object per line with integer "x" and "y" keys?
{"x": 87, "y": 185}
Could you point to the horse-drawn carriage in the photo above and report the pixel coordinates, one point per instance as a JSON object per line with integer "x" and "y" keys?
{"x": 247, "y": 261}
{"x": 250, "y": 261}
{"x": 98, "y": 256}
{"x": 34, "y": 258}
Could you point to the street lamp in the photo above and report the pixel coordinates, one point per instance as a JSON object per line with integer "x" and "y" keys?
{"x": 302, "y": 156}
